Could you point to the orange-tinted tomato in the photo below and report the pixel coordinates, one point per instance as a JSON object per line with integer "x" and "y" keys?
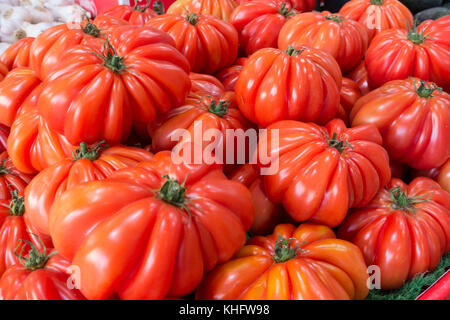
{"x": 219, "y": 8}
{"x": 136, "y": 15}
{"x": 18, "y": 54}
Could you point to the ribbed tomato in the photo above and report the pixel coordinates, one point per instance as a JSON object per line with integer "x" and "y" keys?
{"x": 222, "y": 9}
{"x": 4, "y": 133}
{"x": 413, "y": 117}
{"x": 3, "y": 71}
{"x": 259, "y": 22}
{"x": 97, "y": 94}
{"x": 10, "y": 178}
{"x": 137, "y": 15}
{"x": 154, "y": 229}
{"x": 229, "y": 76}
{"x": 300, "y": 83}
{"x": 359, "y": 75}
{"x": 267, "y": 214}
{"x": 404, "y": 230}
{"x": 14, "y": 91}
{"x": 350, "y": 93}
{"x": 423, "y": 52}
{"x": 204, "y": 84}
{"x": 208, "y": 43}
{"x": 378, "y": 15}
{"x": 441, "y": 175}
{"x": 325, "y": 169}
{"x": 18, "y": 54}
{"x": 304, "y": 263}
{"x": 345, "y": 39}
{"x": 88, "y": 164}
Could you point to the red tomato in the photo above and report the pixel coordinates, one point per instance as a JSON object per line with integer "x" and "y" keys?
{"x": 259, "y": 22}
{"x": 136, "y": 15}
{"x": 296, "y": 84}
{"x": 13, "y": 227}
{"x": 229, "y": 76}
{"x": 304, "y": 263}
{"x": 153, "y": 236}
{"x": 4, "y": 133}
{"x": 345, "y": 39}
{"x": 220, "y": 8}
{"x": 40, "y": 276}
{"x": 441, "y": 175}
{"x": 88, "y": 164}
{"x": 18, "y": 54}
{"x": 413, "y": 117}
{"x": 359, "y": 75}
{"x": 205, "y": 84}
{"x": 14, "y": 90}
{"x": 350, "y": 93}
{"x": 208, "y": 43}
{"x": 267, "y": 214}
{"x": 3, "y": 71}
{"x": 95, "y": 95}
{"x": 10, "y": 178}
{"x": 404, "y": 230}
{"x": 423, "y": 52}
{"x": 325, "y": 169}
{"x": 378, "y": 15}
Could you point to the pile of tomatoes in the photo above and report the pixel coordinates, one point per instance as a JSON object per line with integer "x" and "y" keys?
{"x": 93, "y": 204}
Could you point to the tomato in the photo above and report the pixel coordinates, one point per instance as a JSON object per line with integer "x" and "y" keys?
{"x": 350, "y": 93}
{"x": 303, "y": 5}
{"x": 229, "y": 76}
{"x": 325, "y": 169}
{"x": 4, "y": 133}
{"x": 441, "y": 175}
{"x": 345, "y": 39}
{"x": 13, "y": 227}
{"x": 267, "y": 214}
{"x": 10, "y": 178}
{"x": 88, "y": 164}
{"x": 208, "y": 43}
{"x": 3, "y": 71}
{"x": 204, "y": 84}
{"x": 18, "y": 54}
{"x": 423, "y": 52}
{"x": 220, "y": 8}
{"x": 300, "y": 83}
{"x": 40, "y": 276}
{"x": 134, "y": 15}
{"x": 404, "y": 230}
{"x": 378, "y": 15}
{"x": 259, "y": 22}
{"x": 304, "y": 263}
{"x": 95, "y": 95}
{"x": 14, "y": 90}
{"x": 413, "y": 117}
{"x": 359, "y": 75}
{"x": 154, "y": 229}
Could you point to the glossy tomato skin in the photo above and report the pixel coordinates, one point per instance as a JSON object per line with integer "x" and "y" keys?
{"x": 428, "y": 60}
{"x": 350, "y": 93}
{"x": 145, "y": 76}
{"x": 326, "y": 180}
{"x": 415, "y": 130}
{"x": 11, "y": 178}
{"x": 229, "y": 76}
{"x": 4, "y": 133}
{"x": 222, "y": 9}
{"x": 134, "y": 16}
{"x": 18, "y": 54}
{"x": 378, "y": 15}
{"x": 267, "y": 214}
{"x": 50, "y": 183}
{"x": 402, "y": 242}
{"x": 259, "y": 22}
{"x": 441, "y": 175}
{"x": 299, "y": 85}
{"x": 14, "y": 90}
{"x": 326, "y": 268}
{"x": 48, "y": 283}
{"x": 204, "y": 84}
{"x": 3, "y": 71}
{"x": 359, "y": 75}
{"x": 146, "y": 248}
{"x": 208, "y": 43}
{"x": 345, "y": 39}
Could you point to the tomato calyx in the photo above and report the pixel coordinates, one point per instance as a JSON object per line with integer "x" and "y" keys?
{"x": 91, "y": 29}
{"x": 192, "y": 18}
{"x": 293, "y": 51}
{"x": 219, "y": 108}
{"x": 426, "y": 89}
{"x": 3, "y": 168}
{"x": 285, "y": 11}
{"x": 400, "y": 201}
{"x": 340, "y": 144}
{"x": 158, "y": 7}
{"x": 141, "y": 9}
{"x": 285, "y": 251}
{"x": 377, "y": 2}
{"x": 86, "y": 152}
{"x": 415, "y": 36}
{"x": 17, "y": 204}
{"x": 335, "y": 17}
{"x": 111, "y": 59}
{"x": 36, "y": 260}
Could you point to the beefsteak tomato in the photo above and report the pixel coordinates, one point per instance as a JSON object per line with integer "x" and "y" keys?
{"x": 136, "y": 15}
{"x": 10, "y": 178}
{"x": 441, "y": 175}
{"x": 229, "y": 76}
{"x": 4, "y": 133}
{"x": 413, "y": 117}
{"x": 304, "y": 263}
{"x": 222, "y": 9}
{"x": 299, "y": 83}
{"x": 204, "y": 84}
{"x": 359, "y": 75}
{"x": 326, "y": 169}
{"x": 18, "y": 54}
{"x": 350, "y": 93}
{"x": 404, "y": 230}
